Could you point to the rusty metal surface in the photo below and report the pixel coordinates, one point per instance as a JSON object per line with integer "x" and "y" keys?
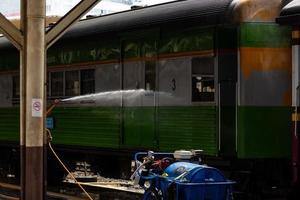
{"x": 256, "y": 10}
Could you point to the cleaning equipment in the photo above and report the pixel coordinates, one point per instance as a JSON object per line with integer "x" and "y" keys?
{"x": 180, "y": 180}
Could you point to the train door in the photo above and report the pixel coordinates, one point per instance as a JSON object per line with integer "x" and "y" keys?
{"x": 227, "y": 117}
{"x": 174, "y": 112}
{"x": 227, "y": 75}
{"x": 227, "y": 64}
{"x": 204, "y": 103}
{"x": 9, "y": 95}
{"x": 138, "y": 96}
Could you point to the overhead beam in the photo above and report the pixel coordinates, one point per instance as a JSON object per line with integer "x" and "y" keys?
{"x": 10, "y": 31}
{"x": 69, "y": 19}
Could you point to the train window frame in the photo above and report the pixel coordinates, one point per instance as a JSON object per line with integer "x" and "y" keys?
{"x": 15, "y": 89}
{"x": 202, "y": 75}
{"x": 72, "y": 86}
{"x": 90, "y": 79}
{"x": 150, "y": 75}
{"x": 64, "y": 82}
{"x": 51, "y": 89}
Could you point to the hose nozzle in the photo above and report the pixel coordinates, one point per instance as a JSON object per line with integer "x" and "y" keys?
{"x": 52, "y": 106}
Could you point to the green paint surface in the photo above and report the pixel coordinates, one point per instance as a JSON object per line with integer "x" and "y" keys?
{"x": 136, "y": 48}
{"x": 197, "y": 39}
{"x": 9, "y": 60}
{"x": 186, "y": 41}
{"x": 86, "y": 50}
{"x": 174, "y": 127}
{"x": 264, "y": 132}
{"x": 139, "y": 127}
{"x": 264, "y": 35}
{"x": 9, "y": 124}
{"x": 98, "y": 48}
{"x": 87, "y": 126}
{"x": 188, "y": 128}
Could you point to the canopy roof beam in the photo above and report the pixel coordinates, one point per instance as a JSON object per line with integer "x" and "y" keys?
{"x": 10, "y": 31}
{"x": 69, "y": 19}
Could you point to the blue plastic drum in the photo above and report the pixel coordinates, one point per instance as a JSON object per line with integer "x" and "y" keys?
{"x": 196, "y": 182}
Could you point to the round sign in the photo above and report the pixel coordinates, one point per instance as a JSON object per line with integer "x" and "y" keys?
{"x": 37, "y": 106}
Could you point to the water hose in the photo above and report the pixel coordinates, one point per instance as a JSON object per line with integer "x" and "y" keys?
{"x": 64, "y": 166}
{"x": 137, "y": 170}
{"x": 49, "y": 140}
{"x": 52, "y": 106}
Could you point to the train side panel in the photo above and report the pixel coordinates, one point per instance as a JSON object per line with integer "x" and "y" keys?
{"x": 168, "y": 118}
{"x": 265, "y": 91}
{"x": 87, "y": 126}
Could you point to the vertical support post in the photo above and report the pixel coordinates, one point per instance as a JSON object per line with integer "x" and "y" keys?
{"x": 295, "y": 104}
{"x": 32, "y": 44}
{"x": 34, "y": 69}
{"x": 22, "y": 100}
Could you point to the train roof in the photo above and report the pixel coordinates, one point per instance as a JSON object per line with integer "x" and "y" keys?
{"x": 290, "y": 14}
{"x": 203, "y": 12}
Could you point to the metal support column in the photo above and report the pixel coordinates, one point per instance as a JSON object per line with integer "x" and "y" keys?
{"x": 22, "y": 100}
{"x": 34, "y": 64}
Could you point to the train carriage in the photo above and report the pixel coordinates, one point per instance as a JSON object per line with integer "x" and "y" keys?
{"x": 196, "y": 74}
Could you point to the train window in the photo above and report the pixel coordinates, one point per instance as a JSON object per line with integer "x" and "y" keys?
{"x": 16, "y": 87}
{"x": 57, "y": 84}
{"x": 72, "y": 83}
{"x": 203, "y": 83}
{"x": 150, "y": 68}
{"x": 87, "y": 81}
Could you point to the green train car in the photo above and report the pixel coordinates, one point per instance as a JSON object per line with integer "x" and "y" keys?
{"x": 196, "y": 74}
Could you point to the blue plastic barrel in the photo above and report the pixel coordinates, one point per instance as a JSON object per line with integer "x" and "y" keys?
{"x": 196, "y": 182}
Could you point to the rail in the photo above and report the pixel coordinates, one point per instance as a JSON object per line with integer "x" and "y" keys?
{"x": 16, "y": 189}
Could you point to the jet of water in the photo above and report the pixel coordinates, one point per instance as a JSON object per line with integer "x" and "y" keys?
{"x": 116, "y": 97}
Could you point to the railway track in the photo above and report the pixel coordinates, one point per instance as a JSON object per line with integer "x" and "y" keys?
{"x": 12, "y": 192}
{"x": 71, "y": 192}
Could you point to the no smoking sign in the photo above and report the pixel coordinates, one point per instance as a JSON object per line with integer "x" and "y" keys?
{"x": 36, "y": 107}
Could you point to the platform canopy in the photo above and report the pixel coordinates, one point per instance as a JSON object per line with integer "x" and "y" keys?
{"x": 290, "y": 14}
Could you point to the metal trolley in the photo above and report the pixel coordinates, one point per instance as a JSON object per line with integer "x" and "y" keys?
{"x": 167, "y": 179}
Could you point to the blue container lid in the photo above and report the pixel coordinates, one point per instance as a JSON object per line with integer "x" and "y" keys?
{"x": 193, "y": 173}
